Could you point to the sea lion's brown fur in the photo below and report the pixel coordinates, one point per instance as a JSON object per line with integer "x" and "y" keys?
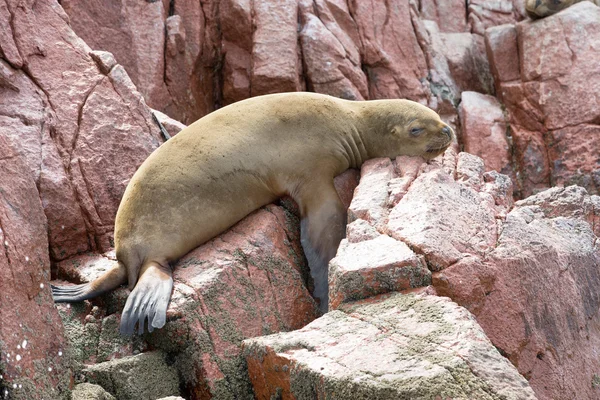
{"x": 544, "y": 8}
{"x": 237, "y": 159}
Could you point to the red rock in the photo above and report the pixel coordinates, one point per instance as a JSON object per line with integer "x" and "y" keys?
{"x": 392, "y": 347}
{"x": 551, "y": 100}
{"x": 370, "y": 267}
{"x": 485, "y": 14}
{"x": 134, "y": 33}
{"x": 276, "y": 25}
{"x": 391, "y": 54}
{"x": 450, "y": 16}
{"x": 502, "y": 50}
{"x": 31, "y": 336}
{"x": 330, "y": 50}
{"x": 246, "y": 282}
{"x": 484, "y": 129}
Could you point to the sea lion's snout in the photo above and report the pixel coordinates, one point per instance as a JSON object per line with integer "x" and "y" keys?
{"x": 446, "y": 130}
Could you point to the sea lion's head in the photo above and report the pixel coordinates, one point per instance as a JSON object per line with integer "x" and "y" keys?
{"x": 404, "y": 127}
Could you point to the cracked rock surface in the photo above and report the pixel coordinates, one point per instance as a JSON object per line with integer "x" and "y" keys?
{"x": 391, "y": 347}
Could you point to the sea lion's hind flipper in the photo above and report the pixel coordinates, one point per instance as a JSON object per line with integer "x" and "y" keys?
{"x": 71, "y": 294}
{"x": 110, "y": 280}
{"x": 148, "y": 300}
{"x": 322, "y": 228}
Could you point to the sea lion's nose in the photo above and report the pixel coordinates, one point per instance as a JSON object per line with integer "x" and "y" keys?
{"x": 447, "y": 131}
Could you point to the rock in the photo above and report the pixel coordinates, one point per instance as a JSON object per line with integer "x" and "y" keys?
{"x": 171, "y": 125}
{"x": 32, "y": 338}
{"x": 528, "y": 273}
{"x": 398, "y": 346}
{"x": 553, "y": 112}
{"x": 371, "y": 267}
{"x": 89, "y": 391}
{"x": 144, "y": 376}
{"x": 133, "y": 32}
{"x": 276, "y": 25}
{"x": 457, "y": 63}
{"x": 331, "y": 50}
{"x": 247, "y": 282}
{"x": 393, "y": 71}
{"x": 449, "y": 16}
{"x": 486, "y": 14}
{"x": 484, "y": 129}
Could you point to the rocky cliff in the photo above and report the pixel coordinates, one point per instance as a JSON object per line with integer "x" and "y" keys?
{"x": 77, "y": 80}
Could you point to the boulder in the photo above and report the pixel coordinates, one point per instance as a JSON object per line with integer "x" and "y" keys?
{"x": 528, "y": 272}
{"x": 149, "y": 375}
{"x": 483, "y": 131}
{"x": 549, "y": 95}
{"x": 392, "y": 347}
{"x": 32, "y": 338}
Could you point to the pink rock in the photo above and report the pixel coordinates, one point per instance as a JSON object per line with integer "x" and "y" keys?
{"x": 450, "y": 16}
{"x": 370, "y": 197}
{"x": 330, "y": 51}
{"x": 367, "y": 268}
{"x": 443, "y": 220}
{"x": 484, "y": 131}
{"x": 391, "y": 54}
{"x": 32, "y": 338}
{"x": 133, "y": 32}
{"x": 172, "y": 126}
{"x": 392, "y": 347}
{"x": 502, "y": 50}
{"x": 486, "y": 14}
{"x": 532, "y": 161}
{"x": 276, "y": 25}
{"x": 457, "y": 62}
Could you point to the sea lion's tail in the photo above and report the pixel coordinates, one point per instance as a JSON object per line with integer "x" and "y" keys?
{"x": 108, "y": 281}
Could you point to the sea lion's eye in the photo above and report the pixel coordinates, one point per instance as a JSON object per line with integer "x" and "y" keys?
{"x": 416, "y": 131}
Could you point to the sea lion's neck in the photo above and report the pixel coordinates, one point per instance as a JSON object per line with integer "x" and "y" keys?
{"x": 355, "y": 151}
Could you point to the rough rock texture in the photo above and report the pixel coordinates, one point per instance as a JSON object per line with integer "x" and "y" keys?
{"x": 529, "y": 272}
{"x": 247, "y": 282}
{"x": 191, "y": 57}
{"x": 148, "y": 375}
{"x": 484, "y": 128}
{"x": 89, "y": 391}
{"x": 550, "y": 94}
{"x": 31, "y": 335}
{"x": 73, "y": 129}
{"x": 396, "y": 347}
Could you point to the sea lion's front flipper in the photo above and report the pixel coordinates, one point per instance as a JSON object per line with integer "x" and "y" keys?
{"x": 110, "y": 280}
{"x": 322, "y": 228}
{"x": 148, "y": 299}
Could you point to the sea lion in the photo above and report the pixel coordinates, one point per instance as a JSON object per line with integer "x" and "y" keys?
{"x": 231, "y": 162}
{"x": 543, "y": 8}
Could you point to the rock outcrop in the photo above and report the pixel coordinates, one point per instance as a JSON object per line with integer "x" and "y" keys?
{"x": 529, "y": 272}
{"x": 392, "y": 347}
{"x": 521, "y": 95}
{"x": 547, "y": 75}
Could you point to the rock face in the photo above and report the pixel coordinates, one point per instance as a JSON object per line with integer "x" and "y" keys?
{"x": 529, "y": 273}
{"x": 73, "y": 129}
{"x": 549, "y": 92}
{"x": 213, "y": 53}
{"x": 396, "y": 347}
